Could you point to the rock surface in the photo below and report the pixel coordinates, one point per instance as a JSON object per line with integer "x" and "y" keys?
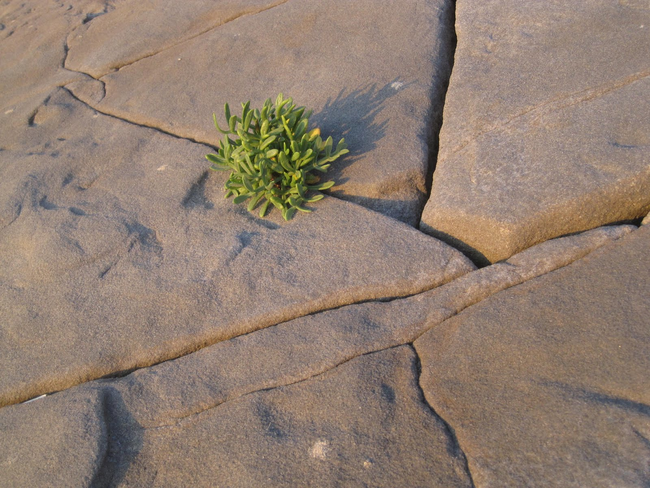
{"x": 53, "y": 441}
{"x": 363, "y": 424}
{"x": 358, "y": 65}
{"x": 32, "y": 47}
{"x": 115, "y": 231}
{"x": 147, "y": 28}
{"x": 168, "y": 402}
{"x": 184, "y": 341}
{"x": 547, "y": 383}
{"x": 545, "y": 127}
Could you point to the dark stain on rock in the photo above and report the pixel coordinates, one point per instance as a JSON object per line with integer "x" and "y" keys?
{"x": 30, "y": 120}
{"x": 268, "y": 419}
{"x": 622, "y": 146}
{"x": 145, "y": 236}
{"x": 388, "y": 393}
{"x": 46, "y": 204}
{"x": 195, "y": 196}
{"x": 246, "y": 238}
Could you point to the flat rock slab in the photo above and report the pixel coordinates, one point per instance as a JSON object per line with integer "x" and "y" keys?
{"x": 369, "y": 71}
{"x": 547, "y": 384}
{"x": 55, "y": 441}
{"x": 32, "y": 49}
{"x": 146, "y": 28}
{"x": 117, "y": 250}
{"x": 144, "y": 417}
{"x": 362, "y": 424}
{"x": 545, "y": 128}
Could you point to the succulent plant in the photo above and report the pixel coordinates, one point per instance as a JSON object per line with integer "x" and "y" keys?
{"x": 272, "y": 155}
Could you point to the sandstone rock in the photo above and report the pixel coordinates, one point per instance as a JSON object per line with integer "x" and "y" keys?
{"x": 196, "y": 344}
{"x": 32, "y": 49}
{"x": 545, "y": 129}
{"x": 53, "y": 441}
{"x": 361, "y": 424}
{"x": 298, "y": 349}
{"x": 547, "y": 383}
{"x": 368, "y": 71}
{"x": 118, "y": 251}
{"x": 147, "y": 28}
{"x": 177, "y": 394}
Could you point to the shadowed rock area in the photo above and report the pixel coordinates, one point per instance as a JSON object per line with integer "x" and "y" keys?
{"x": 164, "y": 336}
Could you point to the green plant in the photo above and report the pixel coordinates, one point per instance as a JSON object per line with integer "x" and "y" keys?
{"x": 271, "y": 156}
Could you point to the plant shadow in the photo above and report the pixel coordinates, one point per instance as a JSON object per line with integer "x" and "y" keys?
{"x": 353, "y": 116}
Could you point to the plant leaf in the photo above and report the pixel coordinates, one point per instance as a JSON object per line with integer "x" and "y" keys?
{"x": 232, "y": 123}
{"x": 216, "y": 124}
{"x": 267, "y": 141}
{"x": 265, "y": 205}
{"x": 247, "y": 185}
{"x": 322, "y": 186}
{"x": 315, "y": 198}
{"x": 241, "y": 198}
{"x": 276, "y": 201}
{"x": 254, "y": 201}
{"x": 248, "y": 119}
{"x": 288, "y": 213}
{"x": 216, "y": 159}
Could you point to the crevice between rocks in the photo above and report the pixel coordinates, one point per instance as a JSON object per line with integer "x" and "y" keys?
{"x": 454, "y": 446}
{"x": 179, "y": 420}
{"x": 445, "y": 57}
{"x": 158, "y": 129}
{"x": 205, "y": 31}
{"x": 409, "y": 340}
{"x": 196, "y": 347}
{"x": 199, "y": 347}
{"x": 555, "y": 104}
{"x": 66, "y": 51}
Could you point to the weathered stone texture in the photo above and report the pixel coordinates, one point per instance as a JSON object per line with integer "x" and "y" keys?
{"x": 146, "y": 28}
{"x": 545, "y": 124}
{"x": 362, "y": 424}
{"x": 547, "y": 383}
{"x": 159, "y": 402}
{"x": 367, "y": 69}
{"x": 184, "y": 341}
{"x": 118, "y": 250}
{"x": 55, "y": 441}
